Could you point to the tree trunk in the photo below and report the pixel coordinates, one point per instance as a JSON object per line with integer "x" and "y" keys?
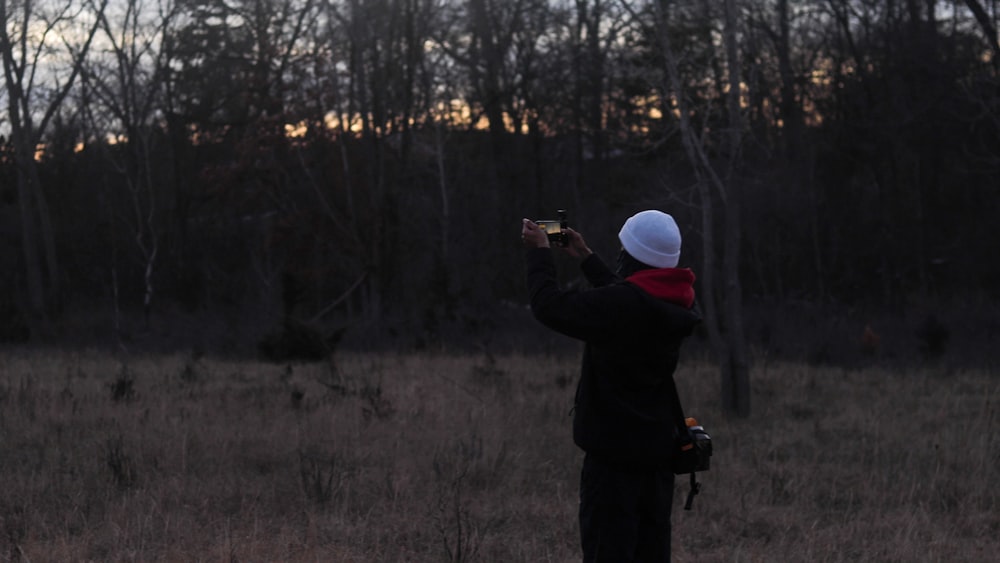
{"x": 38, "y": 235}
{"x": 735, "y": 368}
{"x": 989, "y": 29}
{"x": 29, "y": 245}
{"x": 490, "y": 85}
{"x": 725, "y": 324}
{"x": 37, "y": 238}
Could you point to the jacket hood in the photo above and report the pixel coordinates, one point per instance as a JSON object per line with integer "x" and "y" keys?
{"x": 673, "y": 285}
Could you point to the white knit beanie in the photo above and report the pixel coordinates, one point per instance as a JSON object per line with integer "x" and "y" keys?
{"x": 652, "y": 237}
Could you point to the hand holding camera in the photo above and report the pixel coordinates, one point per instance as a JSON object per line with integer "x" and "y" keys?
{"x": 547, "y": 232}
{"x": 556, "y": 228}
{"x": 532, "y": 235}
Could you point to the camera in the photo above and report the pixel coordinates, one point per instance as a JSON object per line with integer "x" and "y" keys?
{"x": 695, "y": 452}
{"x": 556, "y": 228}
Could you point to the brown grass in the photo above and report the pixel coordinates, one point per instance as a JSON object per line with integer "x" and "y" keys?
{"x": 437, "y": 458}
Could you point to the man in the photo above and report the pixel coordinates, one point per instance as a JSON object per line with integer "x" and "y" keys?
{"x": 632, "y": 322}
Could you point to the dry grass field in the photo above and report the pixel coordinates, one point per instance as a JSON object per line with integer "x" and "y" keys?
{"x": 439, "y": 458}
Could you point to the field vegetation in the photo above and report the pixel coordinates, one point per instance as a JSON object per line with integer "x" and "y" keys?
{"x": 436, "y": 457}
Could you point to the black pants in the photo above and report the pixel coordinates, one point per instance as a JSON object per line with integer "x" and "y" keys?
{"x": 624, "y": 513}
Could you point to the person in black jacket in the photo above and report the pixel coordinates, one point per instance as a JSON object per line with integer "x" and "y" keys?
{"x": 632, "y": 321}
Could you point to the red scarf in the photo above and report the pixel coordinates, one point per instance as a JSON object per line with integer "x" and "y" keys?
{"x": 669, "y": 284}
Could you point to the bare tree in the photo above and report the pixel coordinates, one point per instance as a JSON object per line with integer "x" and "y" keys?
{"x": 735, "y": 376}
{"x": 719, "y": 188}
{"x": 277, "y": 29}
{"x": 369, "y": 34}
{"x": 125, "y": 85}
{"x": 39, "y": 75}
{"x": 989, "y": 28}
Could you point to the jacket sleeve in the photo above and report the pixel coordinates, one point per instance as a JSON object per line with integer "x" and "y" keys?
{"x": 585, "y": 315}
{"x": 597, "y": 272}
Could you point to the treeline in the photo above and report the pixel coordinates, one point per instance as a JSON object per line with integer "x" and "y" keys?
{"x": 345, "y": 163}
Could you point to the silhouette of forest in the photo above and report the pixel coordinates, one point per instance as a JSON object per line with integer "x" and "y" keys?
{"x": 242, "y": 176}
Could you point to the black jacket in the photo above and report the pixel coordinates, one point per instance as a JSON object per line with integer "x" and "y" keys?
{"x": 623, "y": 411}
